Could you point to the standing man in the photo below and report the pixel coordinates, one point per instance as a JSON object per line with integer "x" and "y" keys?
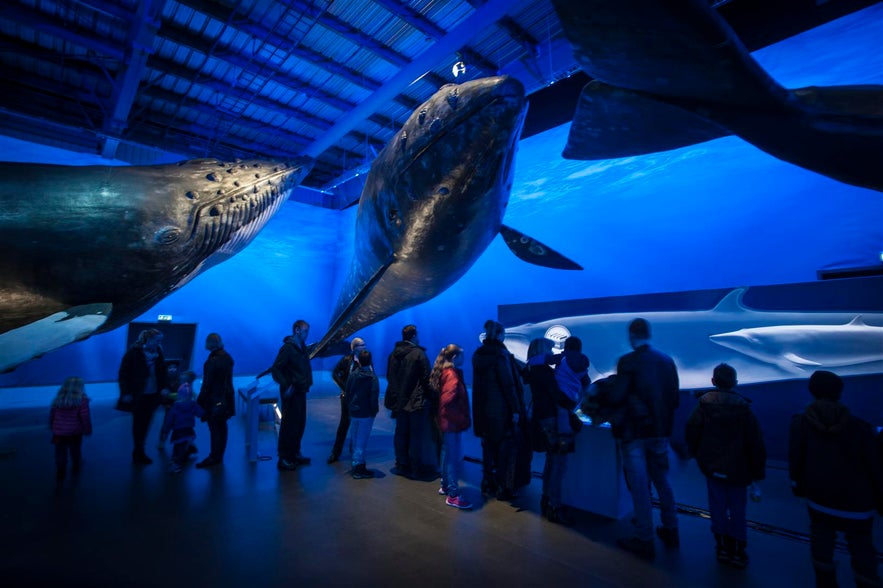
{"x": 142, "y": 379}
{"x": 216, "y": 397}
{"x": 347, "y": 365}
{"x": 834, "y": 462}
{"x": 408, "y": 377}
{"x": 293, "y": 373}
{"x": 647, "y": 389}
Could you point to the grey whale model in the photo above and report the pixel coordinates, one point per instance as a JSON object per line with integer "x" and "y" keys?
{"x": 433, "y": 201}
{"x": 671, "y": 73}
{"x": 87, "y": 249}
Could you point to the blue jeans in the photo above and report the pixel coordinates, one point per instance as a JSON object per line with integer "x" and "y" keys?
{"x": 452, "y": 458}
{"x": 726, "y": 503}
{"x": 645, "y": 461}
{"x": 360, "y": 429}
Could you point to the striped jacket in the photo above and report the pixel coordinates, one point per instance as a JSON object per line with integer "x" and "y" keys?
{"x": 75, "y": 420}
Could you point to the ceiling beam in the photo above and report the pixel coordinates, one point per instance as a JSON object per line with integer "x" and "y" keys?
{"x": 477, "y": 22}
{"x": 142, "y": 30}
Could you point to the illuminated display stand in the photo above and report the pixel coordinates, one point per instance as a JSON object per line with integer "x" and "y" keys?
{"x": 593, "y": 479}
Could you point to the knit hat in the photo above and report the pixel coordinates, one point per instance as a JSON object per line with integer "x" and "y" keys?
{"x": 357, "y": 342}
{"x": 827, "y": 385}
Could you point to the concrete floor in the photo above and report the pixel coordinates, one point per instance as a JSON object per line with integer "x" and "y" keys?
{"x": 245, "y": 524}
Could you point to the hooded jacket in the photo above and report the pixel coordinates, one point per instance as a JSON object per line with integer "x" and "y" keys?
{"x": 724, "y": 436}
{"x": 833, "y": 460}
{"x": 407, "y": 375}
{"x": 292, "y": 367}
{"x": 361, "y": 392}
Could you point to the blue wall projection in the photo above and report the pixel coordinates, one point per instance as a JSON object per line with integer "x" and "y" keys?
{"x": 717, "y": 215}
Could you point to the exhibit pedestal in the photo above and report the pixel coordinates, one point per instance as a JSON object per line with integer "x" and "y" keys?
{"x": 594, "y": 479}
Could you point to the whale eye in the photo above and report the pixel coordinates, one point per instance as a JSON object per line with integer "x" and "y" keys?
{"x": 393, "y": 214}
{"x": 167, "y": 235}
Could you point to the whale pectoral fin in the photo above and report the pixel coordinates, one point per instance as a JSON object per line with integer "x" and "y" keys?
{"x": 796, "y": 359}
{"x": 612, "y": 122}
{"x": 354, "y": 304}
{"x": 48, "y": 334}
{"x": 532, "y": 251}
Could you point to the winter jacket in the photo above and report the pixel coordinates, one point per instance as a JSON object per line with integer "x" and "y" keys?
{"x": 497, "y": 393}
{"x": 724, "y": 436}
{"x": 647, "y": 387}
{"x": 133, "y": 373}
{"x": 407, "y": 376}
{"x": 342, "y": 370}
{"x": 544, "y": 391}
{"x": 573, "y": 379}
{"x": 833, "y": 460}
{"x": 453, "y": 404}
{"x": 216, "y": 396}
{"x": 182, "y": 420}
{"x": 72, "y": 420}
{"x": 292, "y": 367}
{"x": 362, "y": 393}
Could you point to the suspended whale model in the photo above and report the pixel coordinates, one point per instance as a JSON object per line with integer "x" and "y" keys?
{"x": 763, "y": 346}
{"x": 672, "y": 73}
{"x": 433, "y": 201}
{"x": 87, "y": 249}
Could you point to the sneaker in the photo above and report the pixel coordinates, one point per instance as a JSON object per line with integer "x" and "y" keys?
{"x": 640, "y": 548}
{"x": 458, "y": 502}
{"x": 285, "y": 465}
{"x": 360, "y": 472}
{"x": 442, "y": 491}
{"x": 669, "y": 537}
{"x": 739, "y": 559}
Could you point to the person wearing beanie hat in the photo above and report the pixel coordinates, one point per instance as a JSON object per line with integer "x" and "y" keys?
{"x": 834, "y": 462}
{"x": 216, "y": 397}
{"x": 341, "y": 372}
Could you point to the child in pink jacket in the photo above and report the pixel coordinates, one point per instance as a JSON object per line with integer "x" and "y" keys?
{"x": 69, "y": 420}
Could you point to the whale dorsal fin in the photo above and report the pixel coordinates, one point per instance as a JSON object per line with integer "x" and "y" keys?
{"x": 732, "y": 302}
{"x": 532, "y": 251}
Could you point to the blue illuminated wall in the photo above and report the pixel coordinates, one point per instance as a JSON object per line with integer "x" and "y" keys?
{"x": 717, "y": 215}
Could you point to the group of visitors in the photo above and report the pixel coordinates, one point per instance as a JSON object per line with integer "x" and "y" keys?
{"x": 834, "y": 456}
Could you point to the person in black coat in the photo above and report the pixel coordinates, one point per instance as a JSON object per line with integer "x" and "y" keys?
{"x": 294, "y": 374}
{"x": 216, "y": 397}
{"x": 142, "y": 380}
{"x": 724, "y": 436}
{"x": 409, "y": 397}
{"x": 497, "y": 409}
{"x": 833, "y": 461}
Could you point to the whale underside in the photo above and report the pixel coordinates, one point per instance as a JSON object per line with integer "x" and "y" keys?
{"x": 672, "y": 73}
{"x": 88, "y": 248}
{"x": 433, "y": 201}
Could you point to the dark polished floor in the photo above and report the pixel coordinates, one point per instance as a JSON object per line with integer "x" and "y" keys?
{"x": 245, "y": 524}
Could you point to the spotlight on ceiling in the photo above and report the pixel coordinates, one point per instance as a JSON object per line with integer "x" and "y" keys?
{"x": 459, "y": 68}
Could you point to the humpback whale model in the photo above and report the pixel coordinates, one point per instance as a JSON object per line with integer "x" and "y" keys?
{"x": 671, "y": 73}
{"x": 87, "y": 249}
{"x": 433, "y": 201}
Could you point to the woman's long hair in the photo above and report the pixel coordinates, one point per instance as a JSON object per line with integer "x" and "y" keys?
{"x": 71, "y": 393}
{"x": 445, "y": 359}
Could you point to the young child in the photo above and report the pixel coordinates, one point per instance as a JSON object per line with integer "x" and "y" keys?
{"x": 362, "y": 393}
{"x": 69, "y": 420}
{"x": 181, "y": 422}
{"x": 168, "y": 398}
{"x": 446, "y": 379}
{"x": 724, "y": 436}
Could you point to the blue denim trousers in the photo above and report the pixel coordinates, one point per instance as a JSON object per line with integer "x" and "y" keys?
{"x": 646, "y": 461}
{"x": 360, "y": 429}
{"x": 452, "y": 460}
{"x": 726, "y": 504}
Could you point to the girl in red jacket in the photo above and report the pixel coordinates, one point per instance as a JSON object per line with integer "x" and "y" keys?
{"x": 453, "y": 418}
{"x": 69, "y": 420}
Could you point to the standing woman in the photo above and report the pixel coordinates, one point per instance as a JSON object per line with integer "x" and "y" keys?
{"x": 453, "y": 418}
{"x": 142, "y": 378}
{"x": 497, "y": 408}
{"x": 216, "y": 397}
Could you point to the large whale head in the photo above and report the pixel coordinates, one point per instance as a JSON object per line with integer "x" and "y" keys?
{"x": 125, "y": 236}
{"x": 433, "y": 200}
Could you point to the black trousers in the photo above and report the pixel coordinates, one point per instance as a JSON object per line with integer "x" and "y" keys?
{"x": 294, "y": 422}
{"x": 217, "y": 428}
{"x": 342, "y": 428}
{"x": 142, "y": 415}
{"x": 65, "y": 444}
